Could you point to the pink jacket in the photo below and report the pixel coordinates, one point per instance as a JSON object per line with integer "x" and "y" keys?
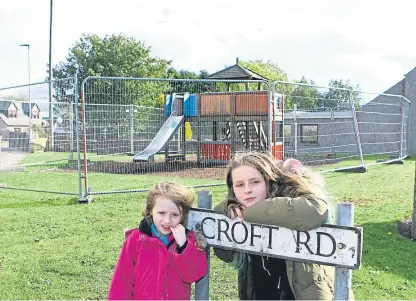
{"x": 147, "y": 269}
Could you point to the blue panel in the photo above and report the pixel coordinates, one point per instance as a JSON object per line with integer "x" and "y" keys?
{"x": 190, "y": 105}
{"x": 168, "y": 104}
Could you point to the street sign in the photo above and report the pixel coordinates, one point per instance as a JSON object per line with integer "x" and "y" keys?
{"x": 339, "y": 246}
{"x": 70, "y": 91}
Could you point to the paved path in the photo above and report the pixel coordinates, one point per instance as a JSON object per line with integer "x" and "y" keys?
{"x": 8, "y": 159}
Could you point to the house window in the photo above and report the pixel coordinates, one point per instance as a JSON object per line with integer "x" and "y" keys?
{"x": 309, "y": 133}
{"x": 17, "y": 130}
{"x": 287, "y": 130}
{"x": 35, "y": 115}
{"x": 12, "y": 114}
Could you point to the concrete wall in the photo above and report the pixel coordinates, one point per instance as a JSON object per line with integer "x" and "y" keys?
{"x": 410, "y": 93}
{"x": 379, "y": 128}
{"x": 407, "y": 88}
{"x": 337, "y": 135}
{"x": 379, "y": 124}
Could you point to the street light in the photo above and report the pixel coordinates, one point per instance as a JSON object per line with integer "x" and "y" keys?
{"x": 51, "y": 122}
{"x": 28, "y": 63}
{"x": 30, "y": 98}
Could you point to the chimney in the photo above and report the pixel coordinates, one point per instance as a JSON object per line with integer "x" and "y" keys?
{"x": 236, "y": 61}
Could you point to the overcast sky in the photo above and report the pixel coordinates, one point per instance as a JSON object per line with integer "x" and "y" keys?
{"x": 372, "y": 43}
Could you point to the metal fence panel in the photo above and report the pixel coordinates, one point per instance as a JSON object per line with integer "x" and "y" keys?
{"x": 187, "y": 129}
{"x": 33, "y": 147}
{"x": 382, "y": 122}
{"x": 318, "y": 125}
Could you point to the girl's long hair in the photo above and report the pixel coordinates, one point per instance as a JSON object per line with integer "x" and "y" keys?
{"x": 281, "y": 179}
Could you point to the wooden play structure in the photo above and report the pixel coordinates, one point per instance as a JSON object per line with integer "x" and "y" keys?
{"x": 246, "y": 116}
{"x": 226, "y": 122}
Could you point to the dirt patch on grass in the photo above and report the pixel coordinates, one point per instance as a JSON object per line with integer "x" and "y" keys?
{"x": 359, "y": 201}
{"x": 187, "y": 169}
{"x": 214, "y": 173}
{"x": 404, "y": 228}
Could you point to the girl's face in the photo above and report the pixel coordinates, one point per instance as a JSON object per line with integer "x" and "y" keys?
{"x": 249, "y": 185}
{"x": 165, "y": 215}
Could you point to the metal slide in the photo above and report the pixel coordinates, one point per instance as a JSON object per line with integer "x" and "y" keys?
{"x": 160, "y": 140}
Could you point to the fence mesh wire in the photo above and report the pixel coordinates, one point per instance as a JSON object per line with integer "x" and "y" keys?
{"x": 318, "y": 126}
{"x": 186, "y": 130}
{"x": 29, "y": 156}
{"x": 382, "y": 122}
{"x": 182, "y": 129}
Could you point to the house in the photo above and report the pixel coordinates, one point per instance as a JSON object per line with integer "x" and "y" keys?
{"x": 15, "y": 117}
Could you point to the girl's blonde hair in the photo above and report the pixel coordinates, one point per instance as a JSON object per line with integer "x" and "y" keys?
{"x": 181, "y": 196}
{"x": 282, "y": 179}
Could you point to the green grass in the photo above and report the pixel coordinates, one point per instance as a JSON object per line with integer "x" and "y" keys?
{"x": 53, "y": 248}
{"x": 50, "y": 158}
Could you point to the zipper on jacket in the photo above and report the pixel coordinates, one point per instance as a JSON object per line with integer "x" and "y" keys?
{"x": 165, "y": 297}
{"x": 166, "y": 288}
{"x": 170, "y": 243}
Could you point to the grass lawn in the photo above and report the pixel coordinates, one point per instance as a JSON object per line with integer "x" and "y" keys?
{"x": 53, "y": 248}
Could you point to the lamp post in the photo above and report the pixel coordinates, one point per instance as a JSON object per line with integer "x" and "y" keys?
{"x": 51, "y": 121}
{"x": 30, "y": 98}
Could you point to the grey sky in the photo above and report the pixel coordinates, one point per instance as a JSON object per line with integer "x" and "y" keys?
{"x": 369, "y": 42}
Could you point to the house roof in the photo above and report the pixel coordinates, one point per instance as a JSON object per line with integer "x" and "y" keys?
{"x": 4, "y": 104}
{"x": 237, "y": 72}
{"x": 25, "y": 107}
{"x": 22, "y": 120}
{"x": 21, "y": 106}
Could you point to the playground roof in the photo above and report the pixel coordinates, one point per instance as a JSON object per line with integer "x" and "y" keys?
{"x": 237, "y": 72}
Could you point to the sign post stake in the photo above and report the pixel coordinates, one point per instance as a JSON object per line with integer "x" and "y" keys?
{"x": 202, "y": 286}
{"x": 345, "y": 217}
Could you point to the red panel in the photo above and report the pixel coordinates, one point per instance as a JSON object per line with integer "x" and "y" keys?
{"x": 277, "y": 151}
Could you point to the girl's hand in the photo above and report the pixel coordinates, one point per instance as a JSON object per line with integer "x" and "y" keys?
{"x": 235, "y": 210}
{"x": 179, "y": 234}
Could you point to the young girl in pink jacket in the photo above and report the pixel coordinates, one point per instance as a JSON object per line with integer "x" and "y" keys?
{"x": 160, "y": 259}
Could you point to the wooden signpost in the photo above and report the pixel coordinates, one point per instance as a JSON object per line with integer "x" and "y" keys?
{"x": 330, "y": 244}
{"x": 336, "y": 245}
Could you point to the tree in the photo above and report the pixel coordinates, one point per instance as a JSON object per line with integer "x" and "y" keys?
{"x": 190, "y": 86}
{"x": 305, "y": 96}
{"x": 269, "y": 70}
{"x": 273, "y": 72}
{"x": 337, "y": 97}
{"x": 113, "y": 56}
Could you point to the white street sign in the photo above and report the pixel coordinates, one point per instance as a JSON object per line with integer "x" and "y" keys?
{"x": 70, "y": 91}
{"x": 339, "y": 246}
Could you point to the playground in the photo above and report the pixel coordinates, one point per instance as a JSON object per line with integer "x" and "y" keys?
{"x": 111, "y": 145}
